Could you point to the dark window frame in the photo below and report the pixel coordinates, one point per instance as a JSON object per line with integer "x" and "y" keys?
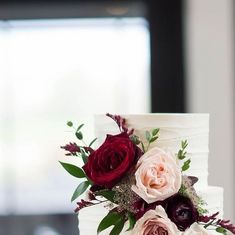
{"x": 165, "y": 19}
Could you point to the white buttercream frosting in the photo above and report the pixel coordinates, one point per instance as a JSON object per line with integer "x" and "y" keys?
{"x": 173, "y": 129}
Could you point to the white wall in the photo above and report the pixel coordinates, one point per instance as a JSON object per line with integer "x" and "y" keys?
{"x": 209, "y": 34}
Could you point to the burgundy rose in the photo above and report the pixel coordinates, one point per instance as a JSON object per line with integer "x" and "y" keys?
{"x": 112, "y": 160}
{"x": 181, "y": 211}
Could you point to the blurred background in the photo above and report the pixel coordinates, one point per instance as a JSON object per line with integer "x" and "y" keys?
{"x": 67, "y": 60}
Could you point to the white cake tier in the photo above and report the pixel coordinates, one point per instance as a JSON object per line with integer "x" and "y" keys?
{"x": 89, "y": 218}
{"x": 214, "y": 198}
{"x": 173, "y": 129}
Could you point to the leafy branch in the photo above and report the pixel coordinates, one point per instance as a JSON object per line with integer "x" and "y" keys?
{"x": 149, "y": 136}
{"x": 182, "y": 155}
{"x": 82, "y": 151}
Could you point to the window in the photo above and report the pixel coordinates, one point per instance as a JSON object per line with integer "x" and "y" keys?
{"x": 52, "y": 71}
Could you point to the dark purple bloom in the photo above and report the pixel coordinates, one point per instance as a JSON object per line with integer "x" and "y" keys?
{"x": 181, "y": 211}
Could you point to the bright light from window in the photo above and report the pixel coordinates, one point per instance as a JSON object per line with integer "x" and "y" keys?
{"x": 58, "y": 70}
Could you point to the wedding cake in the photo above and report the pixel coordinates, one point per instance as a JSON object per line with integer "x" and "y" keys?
{"x": 173, "y": 129}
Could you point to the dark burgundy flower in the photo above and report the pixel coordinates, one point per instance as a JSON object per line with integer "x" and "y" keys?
{"x": 226, "y": 224}
{"x": 73, "y": 149}
{"x": 181, "y": 211}
{"x": 82, "y": 204}
{"x": 121, "y": 122}
{"x": 112, "y": 160}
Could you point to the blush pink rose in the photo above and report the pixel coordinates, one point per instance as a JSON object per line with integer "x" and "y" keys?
{"x": 196, "y": 229}
{"x": 158, "y": 176}
{"x": 155, "y": 222}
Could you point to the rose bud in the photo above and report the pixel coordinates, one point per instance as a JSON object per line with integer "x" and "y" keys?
{"x": 181, "y": 211}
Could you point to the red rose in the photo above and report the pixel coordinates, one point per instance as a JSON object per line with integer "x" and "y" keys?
{"x": 112, "y": 160}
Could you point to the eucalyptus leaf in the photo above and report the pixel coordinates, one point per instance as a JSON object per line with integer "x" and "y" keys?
{"x": 84, "y": 158}
{"x": 181, "y": 155}
{"x": 84, "y": 155}
{"x": 187, "y": 162}
{"x": 143, "y": 148}
{"x": 82, "y": 187}
{"x": 79, "y": 135}
{"x": 184, "y": 144}
{"x": 92, "y": 142}
{"x": 69, "y": 123}
{"x": 153, "y": 139}
{"x": 185, "y": 167}
{"x": 135, "y": 139}
{"x": 79, "y": 128}
{"x": 73, "y": 170}
{"x": 155, "y": 131}
{"x": 148, "y": 136}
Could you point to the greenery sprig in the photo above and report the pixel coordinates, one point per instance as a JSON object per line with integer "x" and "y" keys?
{"x": 150, "y": 136}
{"x": 82, "y": 151}
{"x": 182, "y": 155}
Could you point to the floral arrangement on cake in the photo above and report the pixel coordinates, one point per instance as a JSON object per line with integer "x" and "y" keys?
{"x": 145, "y": 189}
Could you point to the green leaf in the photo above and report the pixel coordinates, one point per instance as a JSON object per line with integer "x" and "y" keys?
{"x": 69, "y": 123}
{"x": 185, "y": 167}
{"x": 79, "y": 128}
{"x": 108, "y": 194}
{"x": 153, "y": 139}
{"x": 84, "y": 158}
{"x": 155, "y": 131}
{"x": 143, "y": 148}
{"x": 82, "y": 187}
{"x": 73, "y": 170}
{"x": 221, "y": 230}
{"x": 135, "y": 139}
{"x": 187, "y": 162}
{"x": 79, "y": 135}
{"x": 110, "y": 219}
{"x": 184, "y": 144}
{"x": 118, "y": 227}
{"x": 148, "y": 136}
{"x": 181, "y": 155}
{"x": 132, "y": 221}
{"x": 92, "y": 142}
